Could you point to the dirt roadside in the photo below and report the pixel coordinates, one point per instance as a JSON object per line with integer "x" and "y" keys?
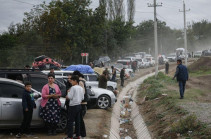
{"x": 161, "y": 114}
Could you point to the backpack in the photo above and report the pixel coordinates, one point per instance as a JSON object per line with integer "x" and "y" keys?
{"x": 86, "y": 96}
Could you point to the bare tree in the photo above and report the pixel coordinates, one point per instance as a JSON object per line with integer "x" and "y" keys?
{"x": 119, "y": 9}
{"x": 130, "y": 10}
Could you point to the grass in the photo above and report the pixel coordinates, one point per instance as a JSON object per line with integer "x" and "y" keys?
{"x": 169, "y": 106}
{"x": 199, "y": 73}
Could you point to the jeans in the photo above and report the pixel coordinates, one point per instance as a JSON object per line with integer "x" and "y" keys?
{"x": 82, "y": 124}
{"x": 122, "y": 82}
{"x": 182, "y": 88}
{"x": 27, "y": 118}
{"x": 73, "y": 116}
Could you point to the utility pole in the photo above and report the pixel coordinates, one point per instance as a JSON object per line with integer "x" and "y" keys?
{"x": 185, "y": 32}
{"x": 155, "y": 35}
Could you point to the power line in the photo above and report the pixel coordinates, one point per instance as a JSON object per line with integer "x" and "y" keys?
{"x": 24, "y": 2}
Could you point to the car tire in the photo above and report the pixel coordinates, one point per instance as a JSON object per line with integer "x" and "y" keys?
{"x": 62, "y": 125}
{"x": 103, "y": 102}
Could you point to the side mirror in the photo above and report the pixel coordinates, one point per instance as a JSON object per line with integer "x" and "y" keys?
{"x": 36, "y": 95}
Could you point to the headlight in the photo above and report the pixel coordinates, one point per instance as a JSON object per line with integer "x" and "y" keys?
{"x": 92, "y": 93}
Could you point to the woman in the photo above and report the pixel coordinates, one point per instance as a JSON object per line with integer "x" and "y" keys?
{"x": 50, "y": 104}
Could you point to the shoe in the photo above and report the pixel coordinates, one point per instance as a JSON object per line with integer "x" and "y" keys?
{"x": 50, "y": 132}
{"x": 54, "y": 133}
{"x": 18, "y": 135}
{"x": 76, "y": 138}
{"x": 181, "y": 97}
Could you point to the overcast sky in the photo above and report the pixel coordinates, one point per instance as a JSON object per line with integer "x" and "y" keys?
{"x": 13, "y": 11}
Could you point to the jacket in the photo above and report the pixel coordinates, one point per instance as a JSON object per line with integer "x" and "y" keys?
{"x": 122, "y": 74}
{"x": 181, "y": 73}
{"x": 45, "y": 92}
{"x": 28, "y": 101}
{"x": 102, "y": 81}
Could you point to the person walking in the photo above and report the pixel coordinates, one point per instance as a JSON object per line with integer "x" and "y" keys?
{"x": 167, "y": 68}
{"x": 28, "y": 106}
{"x": 113, "y": 78}
{"x": 182, "y": 76}
{"x": 103, "y": 80}
{"x": 50, "y": 104}
{"x": 75, "y": 95}
{"x": 122, "y": 76}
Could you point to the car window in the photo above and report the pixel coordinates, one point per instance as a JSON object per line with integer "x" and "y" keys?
{"x": 86, "y": 77}
{"x": 66, "y": 74}
{"x": 92, "y": 78}
{"x": 38, "y": 81}
{"x": 2, "y": 75}
{"x": 11, "y": 91}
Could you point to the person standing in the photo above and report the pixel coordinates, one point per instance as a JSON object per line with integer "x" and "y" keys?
{"x": 122, "y": 76}
{"x": 28, "y": 106}
{"x": 103, "y": 80}
{"x": 50, "y": 104}
{"x": 82, "y": 83}
{"x": 167, "y": 67}
{"x": 113, "y": 78}
{"x": 75, "y": 95}
{"x": 182, "y": 76}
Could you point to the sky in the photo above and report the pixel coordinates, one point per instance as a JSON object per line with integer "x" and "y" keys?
{"x": 12, "y": 11}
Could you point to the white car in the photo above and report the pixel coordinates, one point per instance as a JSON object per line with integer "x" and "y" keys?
{"x": 119, "y": 66}
{"x": 91, "y": 79}
{"x": 151, "y": 61}
{"x": 197, "y": 54}
{"x": 144, "y": 63}
{"x": 172, "y": 57}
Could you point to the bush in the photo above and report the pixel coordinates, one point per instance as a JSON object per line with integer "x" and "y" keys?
{"x": 190, "y": 123}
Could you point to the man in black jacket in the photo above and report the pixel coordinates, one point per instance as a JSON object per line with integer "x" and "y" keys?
{"x": 182, "y": 76}
{"x": 28, "y": 106}
{"x": 122, "y": 76}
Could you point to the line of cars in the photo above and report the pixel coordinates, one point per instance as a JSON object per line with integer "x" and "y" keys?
{"x": 11, "y": 89}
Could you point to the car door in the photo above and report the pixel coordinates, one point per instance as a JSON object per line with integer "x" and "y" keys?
{"x": 11, "y": 104}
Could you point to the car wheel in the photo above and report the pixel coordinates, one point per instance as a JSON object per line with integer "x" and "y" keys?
{"x": 62, "y": 125}
{"x": 103, "y": 102}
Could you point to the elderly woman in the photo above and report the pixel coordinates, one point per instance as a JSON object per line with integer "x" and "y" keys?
{"x": 50, "y": 104}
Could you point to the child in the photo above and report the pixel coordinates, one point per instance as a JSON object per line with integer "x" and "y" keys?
{"x": 28, "y": 105}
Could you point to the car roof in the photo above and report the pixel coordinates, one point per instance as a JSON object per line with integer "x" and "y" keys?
{"x": 34, "y": 71}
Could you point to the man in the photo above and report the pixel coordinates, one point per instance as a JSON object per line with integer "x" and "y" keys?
{"x": 75, "y": 95}
{"x": 113, "y": 78}
{"x": 52, "y": 71}
{"x": 122, "y": 76}
{"x": 167, "y": 67}
{"x": 182, "y": 77}
{"x": 103, "y": 80}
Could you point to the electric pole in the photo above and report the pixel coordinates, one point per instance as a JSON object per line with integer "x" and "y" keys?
{"x": 155, "y": 35}
{"x": 185, "y": 32}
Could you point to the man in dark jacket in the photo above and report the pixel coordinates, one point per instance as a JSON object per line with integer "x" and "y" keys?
{"x": 122, "y": 76}
{"x": 103, "y": 80}
{"x": 167, "y": 67}
{"x": 182, "y": 77}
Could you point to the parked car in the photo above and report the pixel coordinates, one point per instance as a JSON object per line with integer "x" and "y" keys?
{"x": 206, "y": 52}
{"x": 172, "y": 57}
{"x": 102, "y": 98}
{"x": 91, "y": 79}
{"x": 125, "y": 63}
{"x": 36, "y": 77}
{"x": 144, "y": 63}
{"x": 102, "y": 59}
{"x": 197, "y": 54}
{"x": 131, "y": 58}
{"x": 151, "y": 61}
{"x": 11, "y": 106}
{"x": 119, "y": 66}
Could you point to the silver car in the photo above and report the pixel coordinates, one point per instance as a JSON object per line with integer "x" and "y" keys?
{"x": 11, "y": 109}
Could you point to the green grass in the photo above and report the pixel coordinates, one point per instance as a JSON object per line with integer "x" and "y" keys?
{"x": 200, "y": 73}
{"x": 154, "y": 87}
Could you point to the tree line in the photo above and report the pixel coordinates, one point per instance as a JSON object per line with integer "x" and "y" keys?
{"x": 64, "y": 29}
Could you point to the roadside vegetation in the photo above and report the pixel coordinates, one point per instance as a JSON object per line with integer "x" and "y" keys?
{"x": 164, "y": 113}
